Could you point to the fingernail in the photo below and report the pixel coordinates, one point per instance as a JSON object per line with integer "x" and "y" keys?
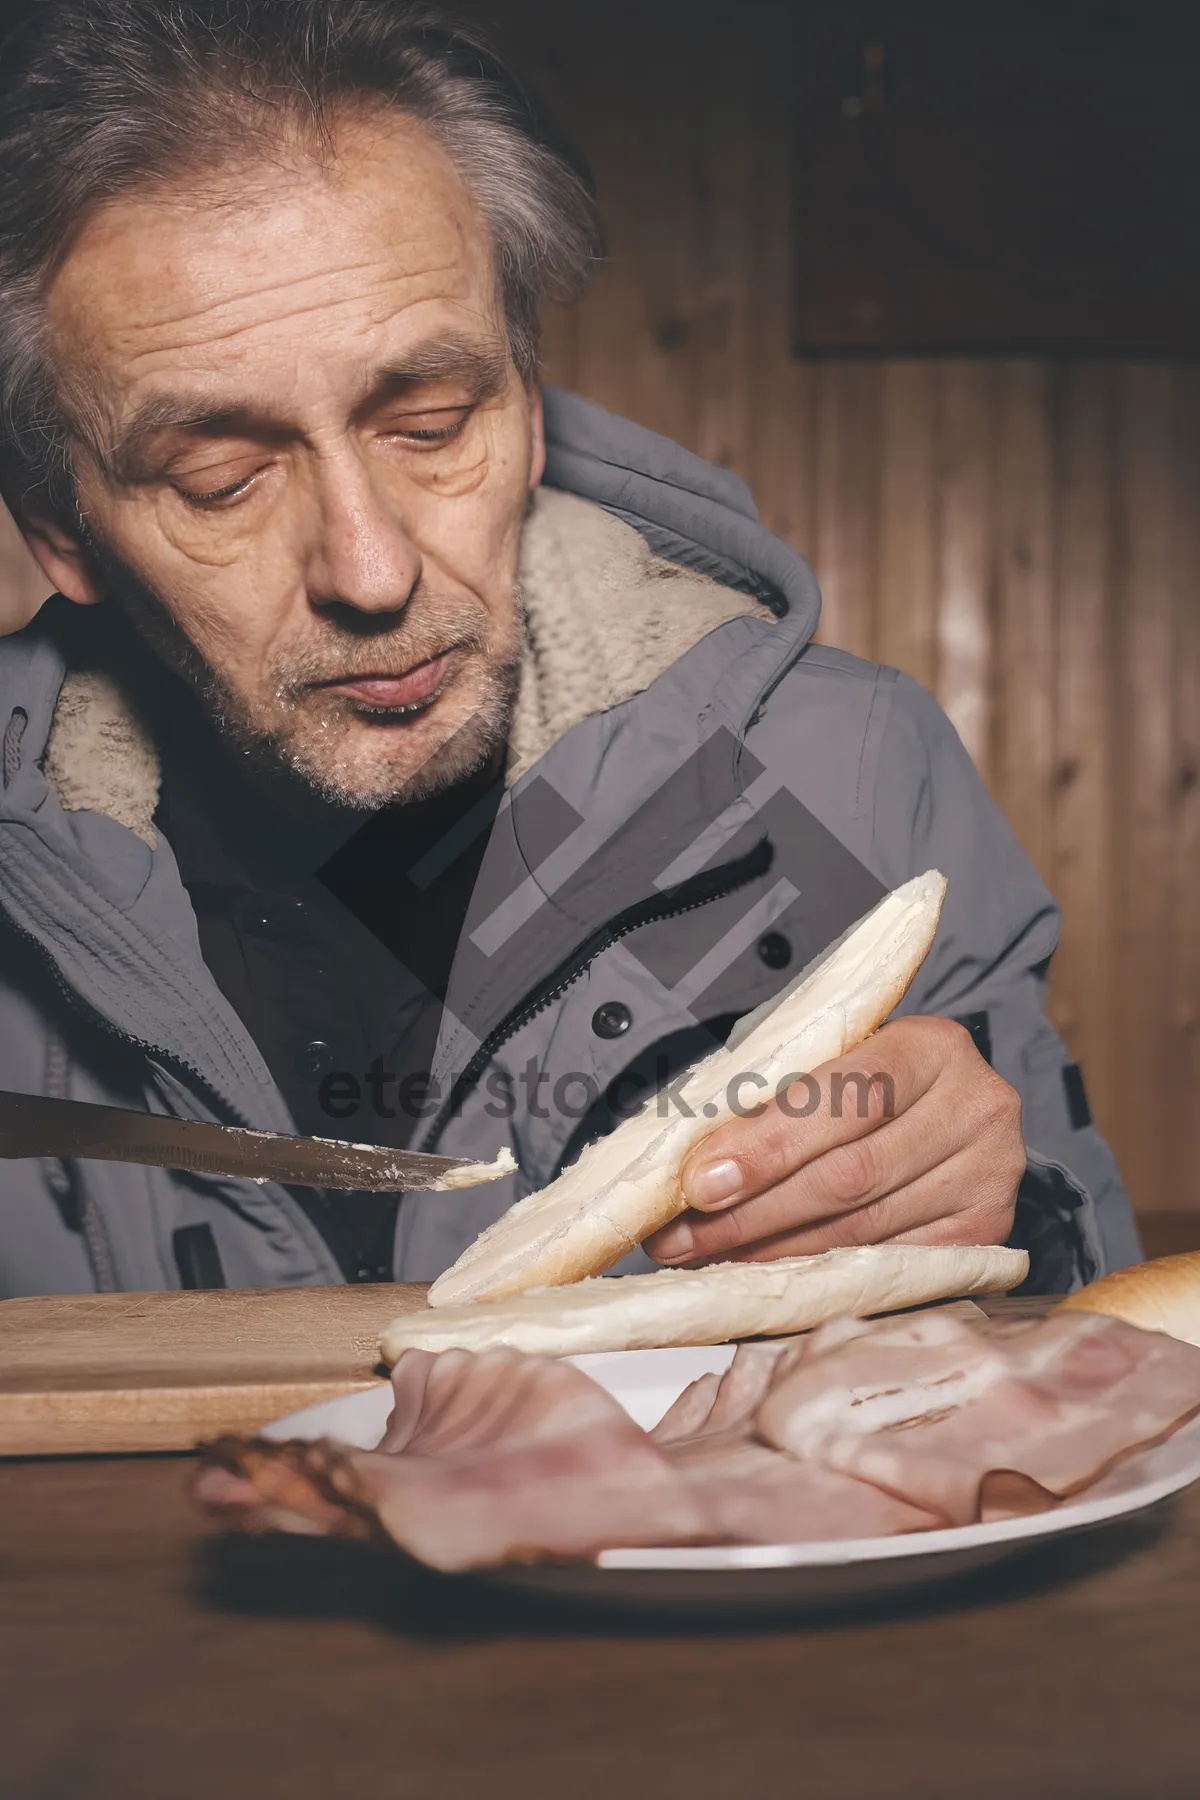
{"x": 674, "y": 1240}
{"x": 711, "y": 1183}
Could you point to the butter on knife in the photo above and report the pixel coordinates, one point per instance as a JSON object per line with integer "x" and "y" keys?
{"x": 32, "y": 1125}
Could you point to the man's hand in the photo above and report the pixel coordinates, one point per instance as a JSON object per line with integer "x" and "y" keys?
{"x": 930, "y": 1152}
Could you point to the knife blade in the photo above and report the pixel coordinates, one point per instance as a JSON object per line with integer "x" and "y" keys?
{"x": 33, "y": 1125}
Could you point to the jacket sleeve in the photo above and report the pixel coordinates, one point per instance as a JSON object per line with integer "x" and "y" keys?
{"x": 987, "y": 968}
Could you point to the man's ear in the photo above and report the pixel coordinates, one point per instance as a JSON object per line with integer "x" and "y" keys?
{"x": 537, "y": 430}
{"x": 59, "y": 554}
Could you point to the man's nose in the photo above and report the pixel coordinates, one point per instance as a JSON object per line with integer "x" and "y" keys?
{"x": 363, "y": 555}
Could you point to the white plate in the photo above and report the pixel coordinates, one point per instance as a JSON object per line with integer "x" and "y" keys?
{"x": 768, "y": 1577}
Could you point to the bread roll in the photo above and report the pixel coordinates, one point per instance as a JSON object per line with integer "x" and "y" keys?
{"x": 626, "y": 1185}
{"x": 712, "y": 1305}
{"x": 1163, "y": 1295}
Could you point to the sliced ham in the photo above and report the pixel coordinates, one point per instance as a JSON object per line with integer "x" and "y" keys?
{"x": 858, "y": 1430}
{"x": 751, "y": 1493}
{"x": 980, "y": 1421}
{"x": 487, "y": 1458}
{"x": 718, "y": 1404}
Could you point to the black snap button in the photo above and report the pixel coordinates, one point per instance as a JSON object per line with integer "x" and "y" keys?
{"x": 315, "y": 1059}
{"x": 612, "y": 1019}
{"x": 775, "y": 950}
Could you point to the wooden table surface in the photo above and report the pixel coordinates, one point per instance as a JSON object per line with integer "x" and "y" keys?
{"x": 144, "y": 1653}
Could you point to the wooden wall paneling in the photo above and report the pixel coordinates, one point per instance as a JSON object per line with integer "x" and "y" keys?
{"x": 964, "y": 579}
{"x": 728, "y": 220}
{"x": 1184, "y": 1136}
{"x": 1081, "y": 987}
{"x": 906, "y": 596}
{"x": 846, "y": 426}
{"x": 637, "y": 338}
{"x": 671, "y": 315}
{"x": 780, "y": 452}
{"x": 782, "y": 467}
{"x": 1023, "y": 675}
{"x": 1145, "y": 1111}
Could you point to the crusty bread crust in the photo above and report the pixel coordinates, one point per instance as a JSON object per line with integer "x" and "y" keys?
{"x": 1163, "y": 1295}
{"x": 625, "y": 1186}
{"x": 712, "y": 1305}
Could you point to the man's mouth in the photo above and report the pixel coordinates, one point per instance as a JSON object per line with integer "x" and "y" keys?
{"x": 387, "y": 692}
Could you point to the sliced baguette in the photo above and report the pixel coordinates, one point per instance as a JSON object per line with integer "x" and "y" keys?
{"x": 1163, "y": 1295}
{"x": 626, "y": 1185}
{"x": 711, "y": 1305}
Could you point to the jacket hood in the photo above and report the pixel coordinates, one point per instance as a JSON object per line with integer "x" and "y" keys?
{"x": 687, "y": 509}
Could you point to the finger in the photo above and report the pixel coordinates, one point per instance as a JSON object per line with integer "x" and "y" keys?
{"x": 840, "y": 1100}
{"x": 960, "y": 1201}
{"x": 963, "y": 1229}
{"x": 844, "y": 1179}
{"x": 971, "y": 1227}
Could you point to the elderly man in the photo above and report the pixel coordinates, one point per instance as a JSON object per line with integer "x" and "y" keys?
{"x": 415, "y": 755}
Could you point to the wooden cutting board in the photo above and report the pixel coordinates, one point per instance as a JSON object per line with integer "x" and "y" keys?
{"x": 101, "y": 1373}
{"x": 104, "y": 1373}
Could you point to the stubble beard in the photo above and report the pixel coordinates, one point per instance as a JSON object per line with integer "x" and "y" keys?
{"x": 352, "y": 754}
{"x": 314, "y": 748}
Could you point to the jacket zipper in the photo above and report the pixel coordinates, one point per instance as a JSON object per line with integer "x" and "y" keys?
{"x": 697, "y": 890}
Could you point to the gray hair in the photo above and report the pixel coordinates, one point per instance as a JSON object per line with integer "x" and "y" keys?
{"x": 99, "y": 98}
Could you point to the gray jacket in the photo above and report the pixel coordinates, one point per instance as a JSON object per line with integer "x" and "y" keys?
{"x": 737, "y": 803}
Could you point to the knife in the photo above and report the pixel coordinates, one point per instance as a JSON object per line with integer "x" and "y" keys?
{"x": 31, "y": 1125}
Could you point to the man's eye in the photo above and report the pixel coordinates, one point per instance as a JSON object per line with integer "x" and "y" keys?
{"x": 431, "y": 435}
{"x": 216, "y": 495}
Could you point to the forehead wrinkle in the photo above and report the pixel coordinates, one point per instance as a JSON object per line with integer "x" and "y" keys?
{"x": 273, "y": 285}
{"x": 326, "y": 306}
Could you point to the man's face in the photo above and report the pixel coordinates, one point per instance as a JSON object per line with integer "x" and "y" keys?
{"x": 304, "y": 456}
